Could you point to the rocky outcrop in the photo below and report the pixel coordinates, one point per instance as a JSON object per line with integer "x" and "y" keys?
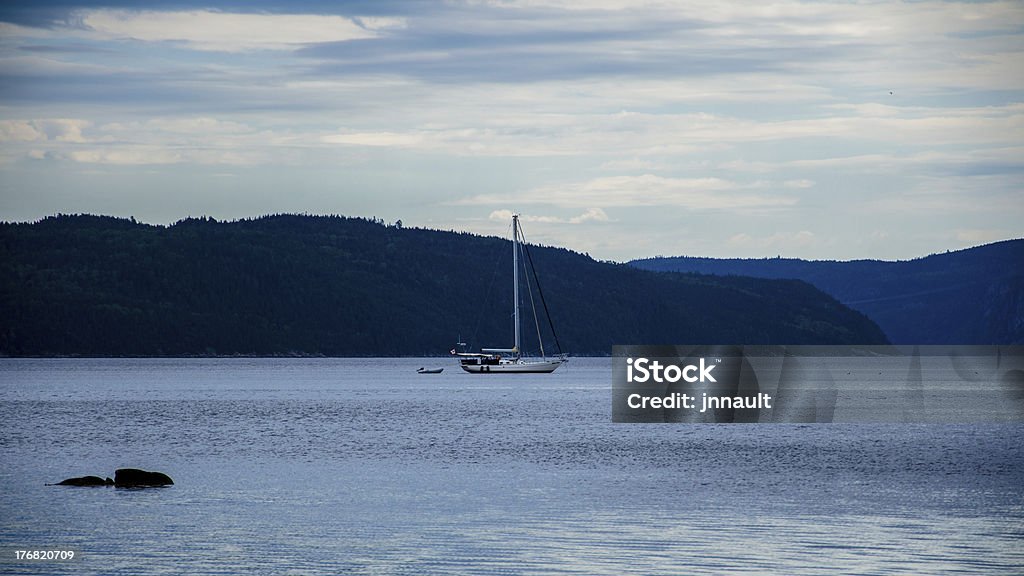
{"x": 135, "y": 478}
{"x": 85, "y": 481}
{"x": 123, "y": 478}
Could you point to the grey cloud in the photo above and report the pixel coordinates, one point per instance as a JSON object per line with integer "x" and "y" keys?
{"x": 535, "y": 46}
{"x": 53, "y": 13}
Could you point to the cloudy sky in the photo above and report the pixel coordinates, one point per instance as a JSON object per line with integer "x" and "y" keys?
{"x": 620, "y": 128}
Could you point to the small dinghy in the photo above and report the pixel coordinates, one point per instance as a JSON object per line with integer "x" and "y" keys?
{"x": 430, "y": 370}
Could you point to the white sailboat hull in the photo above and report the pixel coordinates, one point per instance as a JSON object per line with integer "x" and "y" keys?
{"x": 514, "y": 367}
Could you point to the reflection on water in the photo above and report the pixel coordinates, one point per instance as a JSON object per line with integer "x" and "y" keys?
{"x": 363, "y": 466}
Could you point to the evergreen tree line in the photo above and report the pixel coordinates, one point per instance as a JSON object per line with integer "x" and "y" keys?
{"x": 339, "y": 286}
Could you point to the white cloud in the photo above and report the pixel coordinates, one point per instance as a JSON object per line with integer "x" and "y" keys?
{"x": 799, "y": 183}
{"x": 591, "y": 215}
{"x": 778, "y": 240}
{"x": 374, "y": 139}
{"x": 197, "y": 126}
{"x": 641, "y": 191}
{"x": 632, "y": 164}
{"x": 51, "y": 129}
{"x": 230, "y": 32}
{"x": 19, "y": 131}
{"x": 920, "y": 164}
{"x": 975, "y": 236}
{"x": 959, "y": 198}
{"x": 161, "y": 140}
{"x": 131, "y": 156}
{"x": 497, "y": 127}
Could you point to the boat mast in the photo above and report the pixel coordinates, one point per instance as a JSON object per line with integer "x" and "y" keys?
{"x": 515, "y": 278}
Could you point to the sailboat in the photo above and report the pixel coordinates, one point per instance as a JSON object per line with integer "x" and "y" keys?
{"x": 511, "y": 360}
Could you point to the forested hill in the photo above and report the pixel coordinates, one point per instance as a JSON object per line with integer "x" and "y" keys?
{"x": 972, "y": 296}
{"x": 93, "y": 285}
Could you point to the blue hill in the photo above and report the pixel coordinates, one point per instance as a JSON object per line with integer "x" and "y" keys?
{"x": 971, "y": 296}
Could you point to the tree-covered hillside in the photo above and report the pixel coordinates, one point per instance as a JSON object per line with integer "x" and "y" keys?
{"x": 971, "y": 296}
{"x": 94, "y": 285}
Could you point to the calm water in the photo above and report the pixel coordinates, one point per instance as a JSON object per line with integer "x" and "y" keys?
{"x": 338, "y": 466}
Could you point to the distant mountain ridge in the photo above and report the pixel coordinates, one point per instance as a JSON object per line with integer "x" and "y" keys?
{"x": 337, "y": 286}
{"x": 970, "y": 296}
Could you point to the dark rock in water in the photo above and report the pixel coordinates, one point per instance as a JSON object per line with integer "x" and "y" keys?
{"x": 123, "y": 478}
{"x": 85, "y": 481}
{"x": 134, "y": 478}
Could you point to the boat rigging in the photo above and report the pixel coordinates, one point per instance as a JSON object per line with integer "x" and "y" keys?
{"x": 511, "y": 360}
